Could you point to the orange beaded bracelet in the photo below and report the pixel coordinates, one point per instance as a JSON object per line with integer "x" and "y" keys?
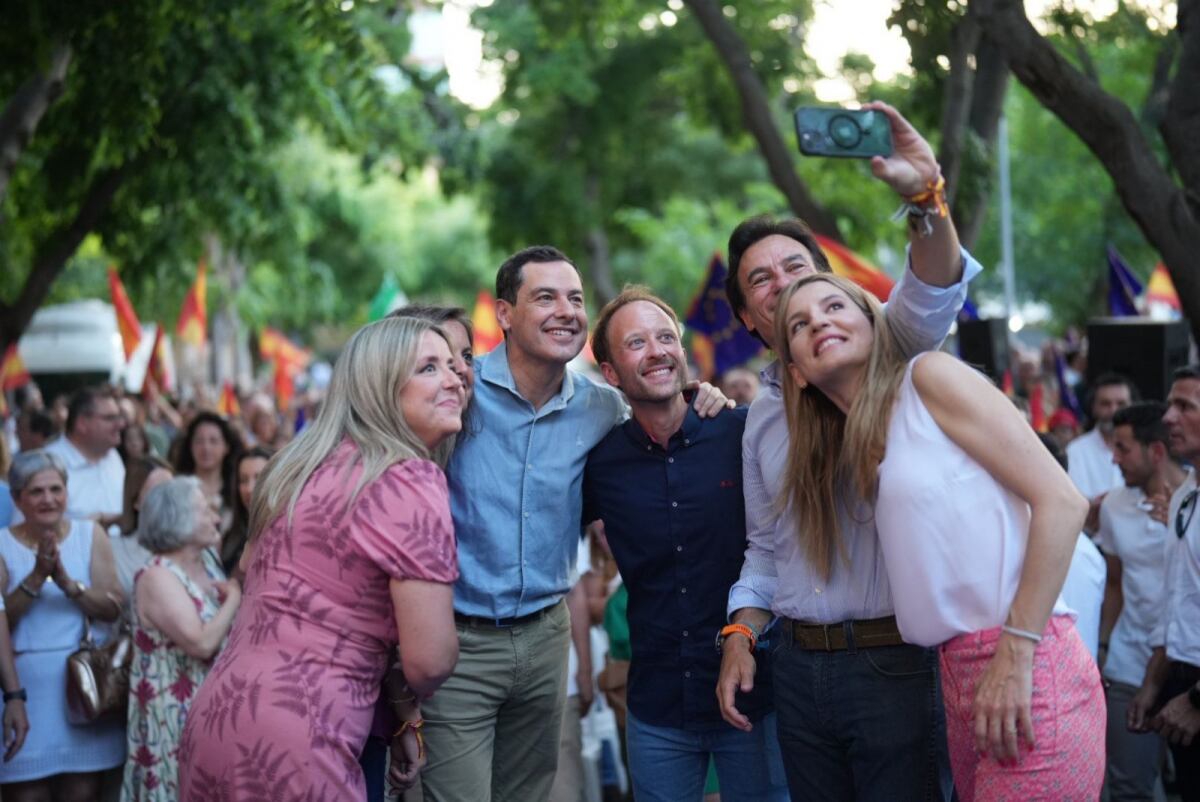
{"x": 415, "y": 726}
{"x": 740, "y": 629}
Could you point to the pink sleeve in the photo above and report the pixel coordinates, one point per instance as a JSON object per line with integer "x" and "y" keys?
{"x": 402, "y": 521}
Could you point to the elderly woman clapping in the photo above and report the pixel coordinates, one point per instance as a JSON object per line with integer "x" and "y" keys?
{"x": 183, "y": 609}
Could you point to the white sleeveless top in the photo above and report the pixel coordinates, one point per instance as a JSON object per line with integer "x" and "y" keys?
{"x": 53, "y": 622}
{"x": 953, "y": 538}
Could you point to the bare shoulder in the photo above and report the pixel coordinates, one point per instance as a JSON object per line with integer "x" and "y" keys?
{"x": 941, "y": 378}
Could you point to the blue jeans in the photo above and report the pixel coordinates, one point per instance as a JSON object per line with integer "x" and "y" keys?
{"x": 374, "y": 762}
{"x": 860, "y": 725}
{"x": 669, "y": 764}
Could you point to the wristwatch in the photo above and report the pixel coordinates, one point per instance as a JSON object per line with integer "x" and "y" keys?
{"x": 19, "y": 693}
{"x": 1194, "y": 696}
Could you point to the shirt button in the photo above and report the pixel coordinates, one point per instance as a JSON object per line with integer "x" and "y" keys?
{"x": 687, "y": 674}
{"x": 529, "y": 466}
{"x": 683, "y": 590}
{"x": 818, "y": 590}
{"x": 687, "y": 442}
{"x": 685, "y": 633}
{"x": 674, "y": 503}
{"x": 670, "y": 459}
{"x": 526, "y": 514}
{"x": 679, "y": 548}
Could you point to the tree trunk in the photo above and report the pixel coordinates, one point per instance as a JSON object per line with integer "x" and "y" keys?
{"x": 987, "y": 103}
{"x": 25, "y": 110}
{"x": 51, "y": 257}
{"x": 1163, "y": 210}
{"x": 756, "y": 111}
{"x": 598, "y": 251}
{"x": 960, "y": 84}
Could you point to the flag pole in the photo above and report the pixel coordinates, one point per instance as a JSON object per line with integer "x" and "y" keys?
{"x": 1011, "y": 315}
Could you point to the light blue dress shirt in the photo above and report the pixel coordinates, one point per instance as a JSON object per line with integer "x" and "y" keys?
{"x": 777, "y": 574}
{"x": 516, "y": 488}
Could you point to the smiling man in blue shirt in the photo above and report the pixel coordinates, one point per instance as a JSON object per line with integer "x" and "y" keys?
{"x": 668, "y": 487}
{"x": 515, "y": 493}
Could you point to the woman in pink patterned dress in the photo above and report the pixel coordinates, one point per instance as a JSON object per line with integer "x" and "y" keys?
{"x": 351, "y": 551}
{"x": 183, "y": 609}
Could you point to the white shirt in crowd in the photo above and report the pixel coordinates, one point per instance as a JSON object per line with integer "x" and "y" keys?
{"x": 1128, "y": 533}
{"x": 1083, "y": 591}
{"x": 1090, "y": 465}
{"x": 1179, "y": 625}
{"x": 92, "y": 487}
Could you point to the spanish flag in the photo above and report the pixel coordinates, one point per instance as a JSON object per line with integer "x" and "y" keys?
{"x": 846, "y": 262}
{"x": 1160, "y": 289}
{"x": 192, "y": 327}
{"x": 127, "y": 321}
{"x": 12, "y": 370}
{"x": 289, "y": 359}
{"x": 487, "y": 331}
{"x": 158, "y": 376}
{"x": 227, "y": 404}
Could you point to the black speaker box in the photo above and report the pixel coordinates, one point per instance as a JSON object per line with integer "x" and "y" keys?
{"x": 1146, "y": 351}
{"x": 984, "y": 344}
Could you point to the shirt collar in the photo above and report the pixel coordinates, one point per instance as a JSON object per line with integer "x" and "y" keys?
{"x": 495, "y": 370}
{"x": 687, "y": 431}
{"x": 73, "y": 457}
{"x": 771, "y": 373}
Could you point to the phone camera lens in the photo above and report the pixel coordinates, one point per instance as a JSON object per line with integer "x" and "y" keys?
{"x": 844, "y": 131}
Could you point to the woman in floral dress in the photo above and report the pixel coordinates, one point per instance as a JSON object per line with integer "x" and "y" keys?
{"x": 183, "y": 609}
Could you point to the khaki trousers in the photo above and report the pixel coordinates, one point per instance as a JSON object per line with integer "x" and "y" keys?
{"x": 492, "y": 730}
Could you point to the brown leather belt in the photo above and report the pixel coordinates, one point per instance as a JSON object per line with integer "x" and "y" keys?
{"x": 867, "y": 634}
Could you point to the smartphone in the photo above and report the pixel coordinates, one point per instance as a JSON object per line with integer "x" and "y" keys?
{"x": 846, "y": 133}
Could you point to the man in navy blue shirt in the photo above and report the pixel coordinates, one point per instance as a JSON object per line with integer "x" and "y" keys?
{"x": 668, "y": 487}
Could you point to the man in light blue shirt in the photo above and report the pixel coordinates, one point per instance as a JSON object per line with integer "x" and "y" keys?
{"x": 515, "y": 493}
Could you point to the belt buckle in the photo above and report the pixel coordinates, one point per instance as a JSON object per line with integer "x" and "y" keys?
{"x": 499, "y": 622}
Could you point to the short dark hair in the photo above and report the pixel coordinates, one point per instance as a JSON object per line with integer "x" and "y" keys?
{"x": 758, "y": 228}
{"x": 438, "y": 315}
{"x": 1146, "y": 420}
{"x": 39, "y": 422}
{"x": 1112, "y": 379}
{"x": 1186, "y": 372}
{"x": 511, "y": 273}
{"x": 83, "y": 402}
{"x": 631, "y": 293}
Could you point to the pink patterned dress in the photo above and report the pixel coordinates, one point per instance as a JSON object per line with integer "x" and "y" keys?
{"x": 163, "y": 683}
{"x": 285, "y": 711}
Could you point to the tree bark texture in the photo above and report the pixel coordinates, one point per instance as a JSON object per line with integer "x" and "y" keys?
{"x": 1165, "y": 212}
{"x": 25, "y": 110}
{"x": 52, "y": 255}
{"x": 756, "y": 111}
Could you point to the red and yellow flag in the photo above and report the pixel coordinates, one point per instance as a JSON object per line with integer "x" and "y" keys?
{"x": 846, "y": 262}
{"x": 158, "y": 376}
{"x": 1160, "y": 288}
{"x": 487, "y": 331}
{"x": 13, "y": 373}
{"x": 192, "y": 327}
{"x": 127, "y": 320}
{"x": 289, "y": 360}
{"x": 228, "y": 404}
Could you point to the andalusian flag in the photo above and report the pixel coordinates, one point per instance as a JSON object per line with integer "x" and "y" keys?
{"x": 1161, "y": 290}
{"x": 192, "y": 327}
{"x": 127, "y": 321}
{"x": 849, "y": 264}
{"x": 487, "y": 331}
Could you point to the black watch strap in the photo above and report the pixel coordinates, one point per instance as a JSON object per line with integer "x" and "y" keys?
{"x": 1194, "y": 696}
{"x": 19, "y": 693}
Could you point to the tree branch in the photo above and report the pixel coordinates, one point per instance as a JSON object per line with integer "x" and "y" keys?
{"x": 51, "y": 257}
{"x": 1181, "y": 123}
{"x": 964, "y": 38}
{"x": 756, "y": 111}
{"x": 1109, "y": 129}
{"x": 25, "y": 110}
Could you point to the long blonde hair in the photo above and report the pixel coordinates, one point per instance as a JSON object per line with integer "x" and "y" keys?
{"x": 362, "y": 405}
{"x": 832, "y": 454}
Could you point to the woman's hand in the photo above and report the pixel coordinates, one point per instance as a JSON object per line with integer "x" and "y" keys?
{"x": 912, "y": 167}
{"x": 227, "y": 590}
{"x": 1002, "y": 700}
{"x": 16, "y": 727}
{"x": 47, "y": 563}
{"x": 408, "y": 758}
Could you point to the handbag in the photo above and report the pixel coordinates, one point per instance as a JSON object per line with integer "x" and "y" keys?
{"x": 98, "y": 677}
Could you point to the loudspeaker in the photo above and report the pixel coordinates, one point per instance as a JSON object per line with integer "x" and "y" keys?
{"x": 984, "y": 344}
{"x": 1146, "y": 351}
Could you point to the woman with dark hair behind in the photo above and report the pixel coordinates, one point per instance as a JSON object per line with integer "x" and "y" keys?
{"x": 249, "y": 465}
{"x": 209, "y": 451}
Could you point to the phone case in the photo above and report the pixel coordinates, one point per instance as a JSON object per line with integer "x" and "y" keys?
{"x": 845, "y": 133}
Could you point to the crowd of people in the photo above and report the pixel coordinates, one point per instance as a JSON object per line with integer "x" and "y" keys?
{"x": 860, "y": 574}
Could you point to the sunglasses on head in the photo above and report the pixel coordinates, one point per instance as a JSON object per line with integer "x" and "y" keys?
{"x": 1188, "y": 508}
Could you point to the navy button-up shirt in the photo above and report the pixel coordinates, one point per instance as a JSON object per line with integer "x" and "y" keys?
{"x": 675, "y": 521}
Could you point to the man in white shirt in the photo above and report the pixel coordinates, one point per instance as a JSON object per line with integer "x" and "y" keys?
{"x": 1171, "y": 684}
{"x": 1090, "y": 456}
{"x": 95, "y": 473}
{"x": 1134, "y": 542}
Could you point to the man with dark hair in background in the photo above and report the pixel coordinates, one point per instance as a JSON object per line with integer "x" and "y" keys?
{"x": 1171, "y": 683}
{"x": 1090, "y": 455}
{"x": 1133, "y": 537}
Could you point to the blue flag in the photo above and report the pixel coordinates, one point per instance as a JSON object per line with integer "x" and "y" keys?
{"x": 1066, "y": 393}
{"x": 1123, "y": 287}
{"x": 711, "y": 315}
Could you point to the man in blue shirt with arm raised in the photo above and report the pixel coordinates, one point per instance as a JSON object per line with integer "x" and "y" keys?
{"x": 667, "y": 485}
